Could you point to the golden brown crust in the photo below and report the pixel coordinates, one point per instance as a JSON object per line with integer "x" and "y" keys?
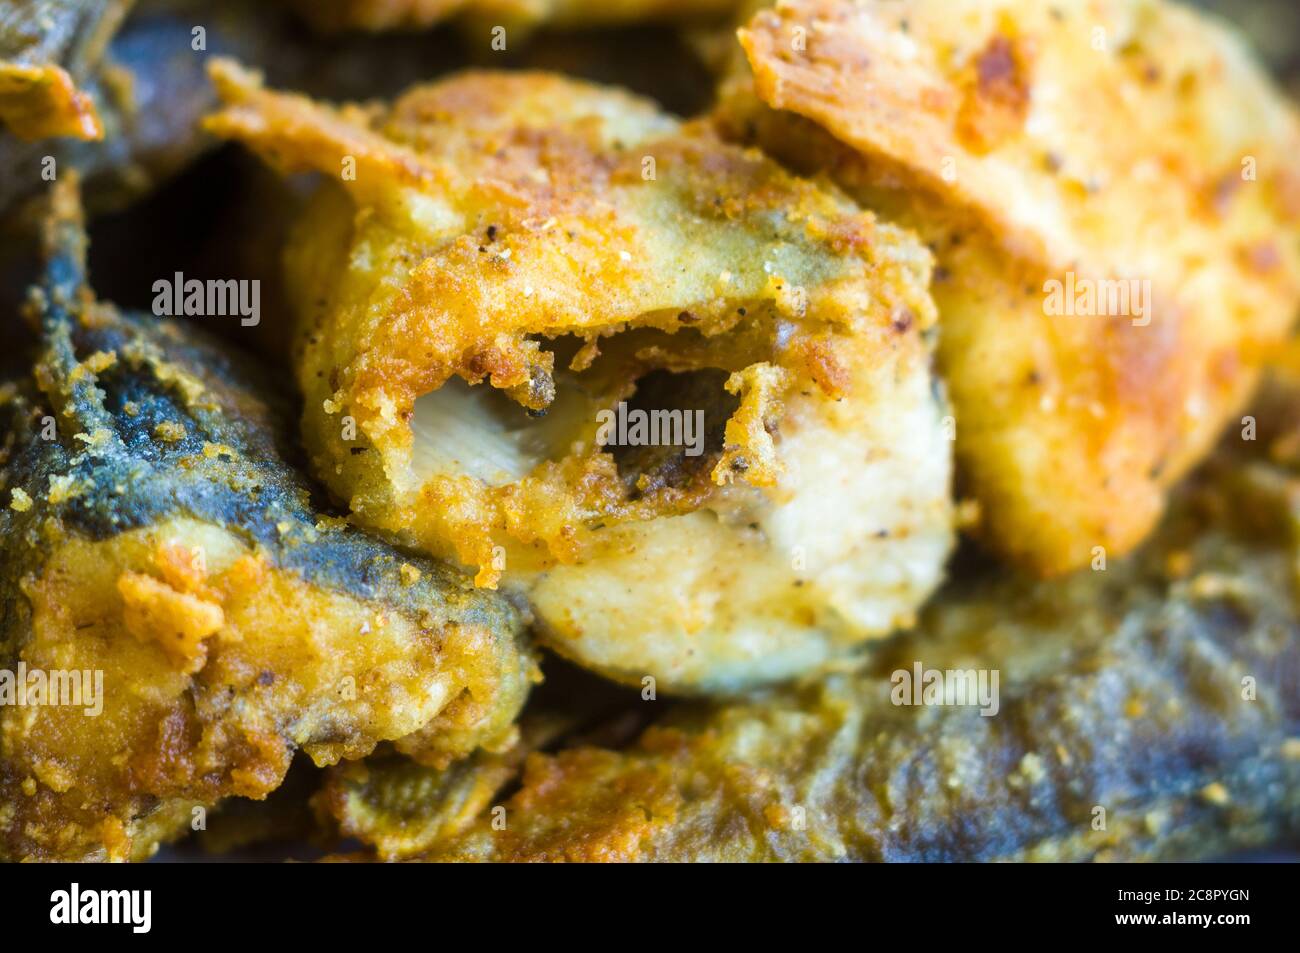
{"x": 561, "y": 244}
{"x": 178, "y": 620}
{"x": 553, "y": 253}
{"x": 1074, "y": 142}
{"x": 283, "y": 666}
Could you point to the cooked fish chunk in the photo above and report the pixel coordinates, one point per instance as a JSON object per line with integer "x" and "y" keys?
{"x": 178, "y": 619}
{"x": 515, "y": 272}
{"x": 1110, "y": 191}
{"x": 1143, "y": 712}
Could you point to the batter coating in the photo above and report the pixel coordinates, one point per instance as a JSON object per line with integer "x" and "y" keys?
{"x": 156, "y": 543}
{"x": 569, "y": 250}
{"x": 1109, "y": 189}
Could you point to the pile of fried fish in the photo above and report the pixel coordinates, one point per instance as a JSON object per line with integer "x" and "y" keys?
{"x": 681, "y": 430}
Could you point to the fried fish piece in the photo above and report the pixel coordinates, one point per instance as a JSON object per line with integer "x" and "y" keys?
{"x": 161, "y": 556}
{"x": 333, "y": 15}
{"x": 1110, "y": 192}
{"x": 515, "y": 271}
{"x": 1144, "y": 712}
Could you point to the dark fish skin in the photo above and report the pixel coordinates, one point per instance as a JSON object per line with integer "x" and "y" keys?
{"x": 1120, "y": 690}
{"x": 224, "y": 464}
{"x": 255, "y": 492}
{"x": 1273, "y": 27}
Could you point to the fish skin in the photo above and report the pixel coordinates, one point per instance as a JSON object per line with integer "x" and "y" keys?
{"x": 245, "y": 411}
{"x": 444, "y": 670}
